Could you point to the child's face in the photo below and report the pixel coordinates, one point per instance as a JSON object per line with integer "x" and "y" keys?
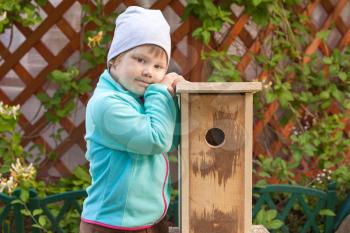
{"x": 138, "y": 68}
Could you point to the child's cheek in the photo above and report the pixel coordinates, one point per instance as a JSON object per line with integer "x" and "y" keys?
{"x": 158, "y": 80}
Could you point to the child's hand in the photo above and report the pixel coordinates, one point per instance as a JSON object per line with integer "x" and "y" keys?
{"x": 170, "y": 80}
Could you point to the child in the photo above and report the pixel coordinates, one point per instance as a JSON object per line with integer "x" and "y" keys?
{"x": 130, "y": 123}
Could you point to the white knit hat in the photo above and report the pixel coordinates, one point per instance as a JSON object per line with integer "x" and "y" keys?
{"x": 138, "y": 26}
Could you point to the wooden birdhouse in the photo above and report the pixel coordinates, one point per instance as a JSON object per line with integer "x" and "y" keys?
{"x": 216, "y": 156}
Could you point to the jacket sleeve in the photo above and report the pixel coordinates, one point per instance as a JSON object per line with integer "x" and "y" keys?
{"x": 151, "y": 132}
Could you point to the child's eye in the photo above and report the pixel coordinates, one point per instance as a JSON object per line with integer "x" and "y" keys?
{"x": 158, "y": 67}
{"x": 139, "y": 59}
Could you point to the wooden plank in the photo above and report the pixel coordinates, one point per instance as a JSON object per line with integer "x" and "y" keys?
{"x": 177, "y": 7}
{"x": 184, "y": 177}
{"x": 216, "y": 173}
{"x": 218, "y": 87}
{"x": 234, "y": 31}
{"x": 181, "y": 60}
{"x": 248, "y": 162}
{"x": 160, "y": 5}
{"x": 182, "y": 31}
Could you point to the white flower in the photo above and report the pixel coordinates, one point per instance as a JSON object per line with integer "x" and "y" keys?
{"x": 19, "y": 171}
{"x": 9, "y": 184}
{"x": 9, "y": 110}
{"x": 3, "y": 16}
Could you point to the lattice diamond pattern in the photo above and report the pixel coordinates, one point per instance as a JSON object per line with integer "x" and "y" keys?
{"x": 78, "y": 116}
{"x": 14, "y": 40}
{"x": 319, "y": 16}
{"x": 73, "y": 59}
{"x": 55, "y": 3}
{"x": 54, "y": 40}
{"x": 334, "y": 38}
{"x": 31, "y": 109}
{"x": 173, "y": 19}
{"x": 73, "y": 16}
{"x": 48, "y": 135}
{"x": 43, "y": 15}
{"x": 11, "y": 85}
{"x": 34, "y": 61}
{"x": 237, "y": 48}
{"x": 35, "y": 155}
{"x": 345, "y": 14}
{"x": 73, "y": 157}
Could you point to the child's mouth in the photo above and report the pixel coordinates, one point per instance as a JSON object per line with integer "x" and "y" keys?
{"x": 142, "y": 83}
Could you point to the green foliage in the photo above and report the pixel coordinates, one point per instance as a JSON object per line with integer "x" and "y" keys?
{"x": 268, "y": 218}
{"x": 10, "y": 139}
{"x": 62, "y": 103}
{"x": 211, "y": 15}
{"x": 25, "y": 13}
{"x": 274, "y": 167}
{"x": 223, "y": 66}
{"x": 98, "y": 39}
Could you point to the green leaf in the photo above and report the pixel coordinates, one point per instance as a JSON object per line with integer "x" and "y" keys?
{"x": 322, "y": 35}
{"x": 84, "y": 85}
{"x": 338, "y": 95}
{"x": 264, "y": 174}
{"x": 37, "y": 226}
{"x": 270, "y": 96}
{"x": 326, "y": 212}
{"x": 17, "y": 201}
{"x": 260, "y": 217}
{"x": 37, "y": 212}
{"x": 82, "y": 174}
{"x": 285, "y": 97}
{"x": 206, "y": 37}
{"x": 327, "y": 60}
{"x": 271, "y": 214}
{"x": 342, "y": 76}
{"x": 324, "y": 95}
{"x": 275, "y": 224}
{"x": 42, "y": 220}
{"x": 43, "y": 97}
{"x": 26, "y": 212}
{"x": 24, "y": 195}
{"x": 256, "y": 2}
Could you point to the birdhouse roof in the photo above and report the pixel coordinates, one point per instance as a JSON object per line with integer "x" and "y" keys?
{"x": 218, "y": 87}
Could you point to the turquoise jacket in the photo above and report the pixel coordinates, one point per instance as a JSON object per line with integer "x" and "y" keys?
{"x": 127, "y": 142}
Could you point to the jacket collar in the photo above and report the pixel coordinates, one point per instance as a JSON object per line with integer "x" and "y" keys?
{"x": 107, "y": 82}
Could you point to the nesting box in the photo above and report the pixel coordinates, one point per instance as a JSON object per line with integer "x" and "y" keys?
{"x": 216, "y": 156}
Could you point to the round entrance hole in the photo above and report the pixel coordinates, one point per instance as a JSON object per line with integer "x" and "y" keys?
{"x": 215, "y": 137}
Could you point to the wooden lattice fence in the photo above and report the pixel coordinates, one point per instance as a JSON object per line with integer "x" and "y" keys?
{"x": 34, "y": 52}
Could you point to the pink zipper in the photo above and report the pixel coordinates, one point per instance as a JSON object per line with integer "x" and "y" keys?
{"x": 165, "y": 180}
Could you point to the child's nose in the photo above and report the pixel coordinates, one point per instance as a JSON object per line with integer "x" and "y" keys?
{"x": 146, "y": 72}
